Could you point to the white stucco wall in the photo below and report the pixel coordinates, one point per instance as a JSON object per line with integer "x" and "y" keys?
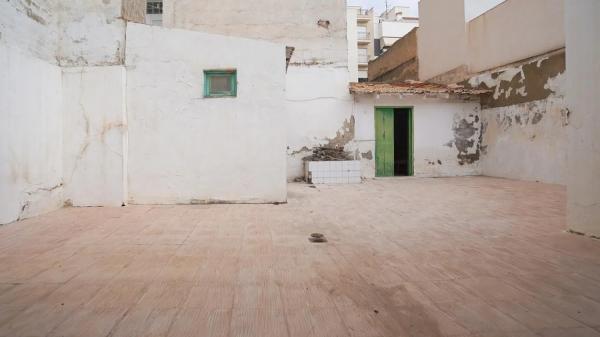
{"x": 442, "y": 37}
{"x": 436, "y": 123}
{"x": 184, "y": 148}
{"x": 352, "y": 37}
{"x": 526, "y": 141}
{"x": 583, "y": 67}
{"x": 513, "y": 31}
{"x": 318, "y": 107}
{"x": 317, "y": 98}
{"x": 30, "y": 135}
{"x": 474, "y": 8}
{"x": 94, "y": 130}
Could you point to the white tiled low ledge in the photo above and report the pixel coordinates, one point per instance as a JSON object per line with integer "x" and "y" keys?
{"x": 332, "y": 172}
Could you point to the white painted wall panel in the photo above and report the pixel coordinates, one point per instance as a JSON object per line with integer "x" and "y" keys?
{"x": 94, "y": 130}
{"x": 583, "y": 67}
{"x": 184, "y": 148}
{"x": 30, "y": 135}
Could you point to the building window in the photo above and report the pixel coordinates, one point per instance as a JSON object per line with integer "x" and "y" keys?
{"x": 154, "y": 7}
{"x": 220, "y": 83}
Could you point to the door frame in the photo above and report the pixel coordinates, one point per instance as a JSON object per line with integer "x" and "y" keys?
{"x": 411, "y": 135}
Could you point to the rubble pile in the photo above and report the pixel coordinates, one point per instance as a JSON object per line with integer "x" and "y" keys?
{"x": 322, "y": 153}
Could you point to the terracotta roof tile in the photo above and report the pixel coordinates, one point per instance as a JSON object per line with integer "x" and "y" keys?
{"x": 411, "y": 87}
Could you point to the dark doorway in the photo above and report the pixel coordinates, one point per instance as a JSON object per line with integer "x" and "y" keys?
{"x": 402, "y": 136}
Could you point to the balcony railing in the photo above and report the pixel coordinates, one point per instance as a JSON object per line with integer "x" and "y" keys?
{"x": 363, "y": 35}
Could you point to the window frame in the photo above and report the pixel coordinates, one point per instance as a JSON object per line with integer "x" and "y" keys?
{"x": 154, "y": 7}
{"x": 209, "y": 73}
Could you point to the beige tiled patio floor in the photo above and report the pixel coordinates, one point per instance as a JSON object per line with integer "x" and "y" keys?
{"x": 405, "y": 257}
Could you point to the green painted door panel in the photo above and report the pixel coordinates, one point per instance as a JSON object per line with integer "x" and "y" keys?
{"x": 384, "y": 142}
{"x": 411, "y": 146}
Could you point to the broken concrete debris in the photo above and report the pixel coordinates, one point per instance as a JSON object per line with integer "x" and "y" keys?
{"x": 323, "y": 153}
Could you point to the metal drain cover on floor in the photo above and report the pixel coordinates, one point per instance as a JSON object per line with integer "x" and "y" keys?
{"x": 317, "y": 238}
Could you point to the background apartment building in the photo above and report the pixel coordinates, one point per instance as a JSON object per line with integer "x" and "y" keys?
{"x": 361, "y": 41}
{"x": 392, "y": 25}
{"x": 370, "y": 35}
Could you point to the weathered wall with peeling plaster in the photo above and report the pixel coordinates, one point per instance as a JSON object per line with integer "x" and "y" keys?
{"x": 94, "y": 135}
{"x": 446, "y": 134}
{"x": 30, "y": 25}
{"x": 91, "y": 33}
{"x": 184, "y": 148}
{"x": 525, "y": 120}
{"x": 264, "y": 19}
{"x": 30, "y": 102}
{"x": 31, "y": 135}
{"x": 583, "y": 83}
{"x": 55, "y": 144}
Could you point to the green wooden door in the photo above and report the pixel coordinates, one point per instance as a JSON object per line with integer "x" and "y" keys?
{"x": 384, "y": 142}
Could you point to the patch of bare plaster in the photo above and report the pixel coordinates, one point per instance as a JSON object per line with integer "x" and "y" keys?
{"x": 344, "y": 135}
{"x": 467, "y": 139}
{"x": 35, "y": 17}
{"x": 367, "y": 155}
{"x": 537, "y": 117}
{"x": 531, "y": 113}
{"x": 35, "y": 10}
{"x": 304, "y": 149}
{"x": 311, "y": 63}
{"x": 533, "y": 80}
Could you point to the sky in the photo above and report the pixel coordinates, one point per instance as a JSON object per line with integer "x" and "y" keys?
{"x": 379, "y": 5}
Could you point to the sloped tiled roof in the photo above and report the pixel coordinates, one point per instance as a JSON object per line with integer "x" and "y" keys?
{"x": 411, "y": 87}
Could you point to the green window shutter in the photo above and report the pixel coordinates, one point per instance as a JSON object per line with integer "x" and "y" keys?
{"x": 220, "y": 83}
